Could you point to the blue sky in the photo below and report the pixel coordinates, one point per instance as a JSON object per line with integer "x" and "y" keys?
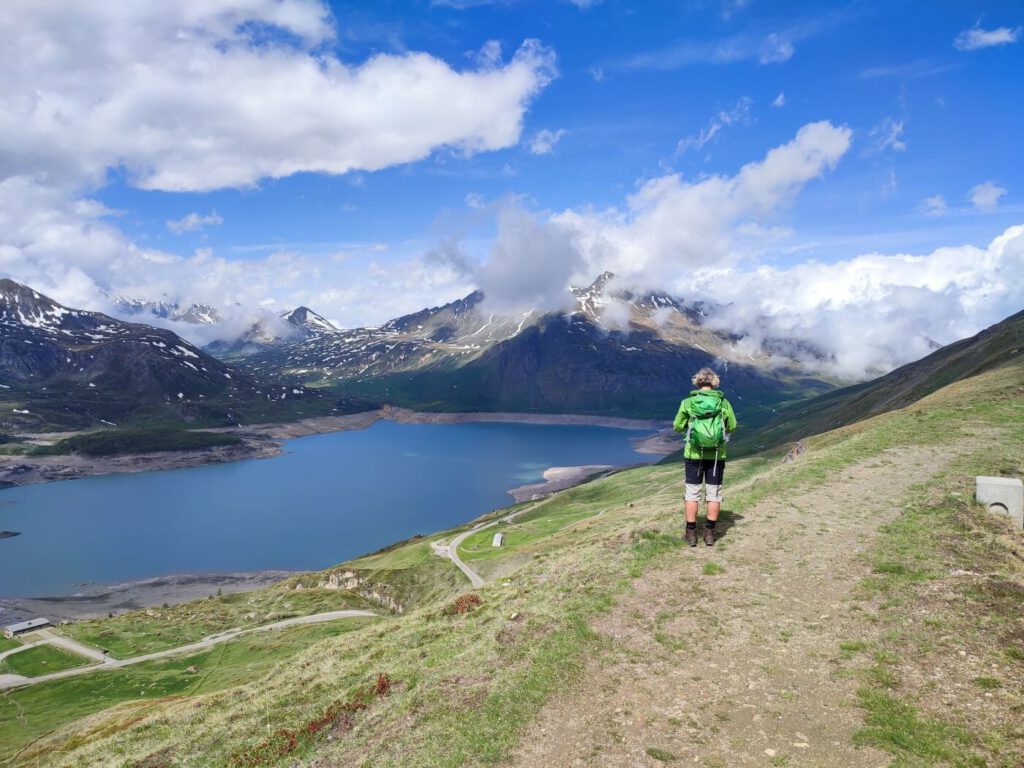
{"x": 856, "y": 64}
{"x": 368, "y": 159}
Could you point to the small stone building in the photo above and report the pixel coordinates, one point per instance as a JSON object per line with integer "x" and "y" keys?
{"x": 23, "y": 627}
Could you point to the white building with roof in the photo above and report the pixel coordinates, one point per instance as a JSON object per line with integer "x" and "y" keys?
{"x": 13, "y": 630}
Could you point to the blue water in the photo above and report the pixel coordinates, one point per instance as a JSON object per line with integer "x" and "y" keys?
{"x": 330, "y": 498}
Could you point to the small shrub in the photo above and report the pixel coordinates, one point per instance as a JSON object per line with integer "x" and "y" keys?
{"x": 463, "y": 604}
{"x": 338, "y": 716}
{"x": 988, "y": 683}
{"x": 661, "y": 755}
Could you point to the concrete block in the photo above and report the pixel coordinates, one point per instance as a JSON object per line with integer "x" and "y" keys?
{"x": 1004, "y": 495}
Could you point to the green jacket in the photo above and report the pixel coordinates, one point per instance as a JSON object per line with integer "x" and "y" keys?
{"x": 692, "y": 452}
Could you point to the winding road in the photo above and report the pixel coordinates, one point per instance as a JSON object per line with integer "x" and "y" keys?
{"x": 105, "y": 662}
{"x": 451, "y": 549}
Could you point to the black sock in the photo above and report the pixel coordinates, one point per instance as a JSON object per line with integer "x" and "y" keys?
{"x": 710, "y": 524}
{"x": 691, "y": 526}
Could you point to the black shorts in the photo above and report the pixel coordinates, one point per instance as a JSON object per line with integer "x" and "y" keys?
{"x": 707, "y": 471}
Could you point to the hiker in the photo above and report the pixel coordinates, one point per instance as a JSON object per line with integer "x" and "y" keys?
{"x": 707, "y": 419}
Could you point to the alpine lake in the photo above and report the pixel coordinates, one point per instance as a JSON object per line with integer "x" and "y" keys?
{"x": 329, "y": 498}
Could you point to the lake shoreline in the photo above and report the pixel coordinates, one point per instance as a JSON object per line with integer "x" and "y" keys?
{"x": 95, "y": 601}
{"x": 264, "y": 441}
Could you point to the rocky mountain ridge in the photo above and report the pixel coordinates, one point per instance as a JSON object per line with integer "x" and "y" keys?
{"x": 60, "y": 365}
{"x": 613, "y": 351}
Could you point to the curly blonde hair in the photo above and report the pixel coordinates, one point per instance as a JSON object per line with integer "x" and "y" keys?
{"x": 706, "y": 377}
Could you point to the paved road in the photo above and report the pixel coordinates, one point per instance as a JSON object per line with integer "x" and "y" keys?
{"x": 17, "y": 681}
{"x": 451, "y": 549}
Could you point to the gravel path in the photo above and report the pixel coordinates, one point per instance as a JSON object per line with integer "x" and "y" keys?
{"x": 736, "y": 668}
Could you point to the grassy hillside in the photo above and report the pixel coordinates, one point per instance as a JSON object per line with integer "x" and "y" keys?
{"x": 447, "y": 682}
{"x": 1001, "y": 344}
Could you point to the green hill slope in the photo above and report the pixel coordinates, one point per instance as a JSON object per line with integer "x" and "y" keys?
{"x": 999, "y": 345}
{"x": 447, "y": 682}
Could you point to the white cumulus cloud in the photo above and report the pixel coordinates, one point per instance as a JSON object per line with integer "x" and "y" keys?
{"x": 867, "y": 315}
{"x": 191, "y": 96}
{"x": 668, "y": 227}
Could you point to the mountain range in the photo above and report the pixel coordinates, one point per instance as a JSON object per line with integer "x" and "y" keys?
{"x": 612, "y": 352}
{"x": 63, "y": 367}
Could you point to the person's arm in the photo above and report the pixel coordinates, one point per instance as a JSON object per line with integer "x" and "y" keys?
{"x": 679, "y": 425}
{"x": 730, "y": 417}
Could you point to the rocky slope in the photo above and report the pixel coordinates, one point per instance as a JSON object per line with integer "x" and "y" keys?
{"x": 269, "y": 331}
{"x": 66, "y": 367}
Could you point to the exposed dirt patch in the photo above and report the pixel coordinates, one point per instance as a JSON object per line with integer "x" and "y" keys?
{"x": 728, "y": 656}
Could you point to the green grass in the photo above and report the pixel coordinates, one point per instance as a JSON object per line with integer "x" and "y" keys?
{"x": 7, "y": 643}
{"x": 661, "y": 755}
{"x": 156, "y": 629}
{"x": 712, "y": 569}
{"x": 899, "y": 729}
{"x": 41, "y": 660}
{"x": 114, "y": 442}
{"x": 29, "y": 713}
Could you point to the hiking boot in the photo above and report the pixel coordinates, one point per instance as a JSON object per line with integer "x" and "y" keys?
{"x": 691, "y": 537}
{"x": 709, "y": 537}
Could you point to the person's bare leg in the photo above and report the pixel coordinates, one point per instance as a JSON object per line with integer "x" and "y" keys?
{"x": 713, "y": 508}
{"x": 691, "y": 511}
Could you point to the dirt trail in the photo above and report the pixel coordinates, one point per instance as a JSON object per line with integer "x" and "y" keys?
{"x": 738, "y": 668}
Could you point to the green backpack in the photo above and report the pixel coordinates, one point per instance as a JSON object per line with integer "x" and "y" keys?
{"x": 706, "y": 428}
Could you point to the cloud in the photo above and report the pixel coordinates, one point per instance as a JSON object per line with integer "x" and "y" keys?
{"x": 974, "y": 38}
{"x": 739, "y": 114}
{"x": 872, "y": 313}
{"x": 771, "y": 48}
{"x": 764, "y": 45}
{"x": 934, "y": 206}
{"x": 68, "y": 249}
{"x": 530, "y": 264}
{"x": 165, "y": 91}
{"x": 888, "y": 135}
{"x": 775, "y": 50}
{"x": 908, "y": 71}
{"x": 543, "y": 141}
{"x": 985, "y": 196}
{"x": 667, "y": 228}
{"x": 701, "y": 240}
{"x": 193, "y": 221}
{"x": 780, "y": 100}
